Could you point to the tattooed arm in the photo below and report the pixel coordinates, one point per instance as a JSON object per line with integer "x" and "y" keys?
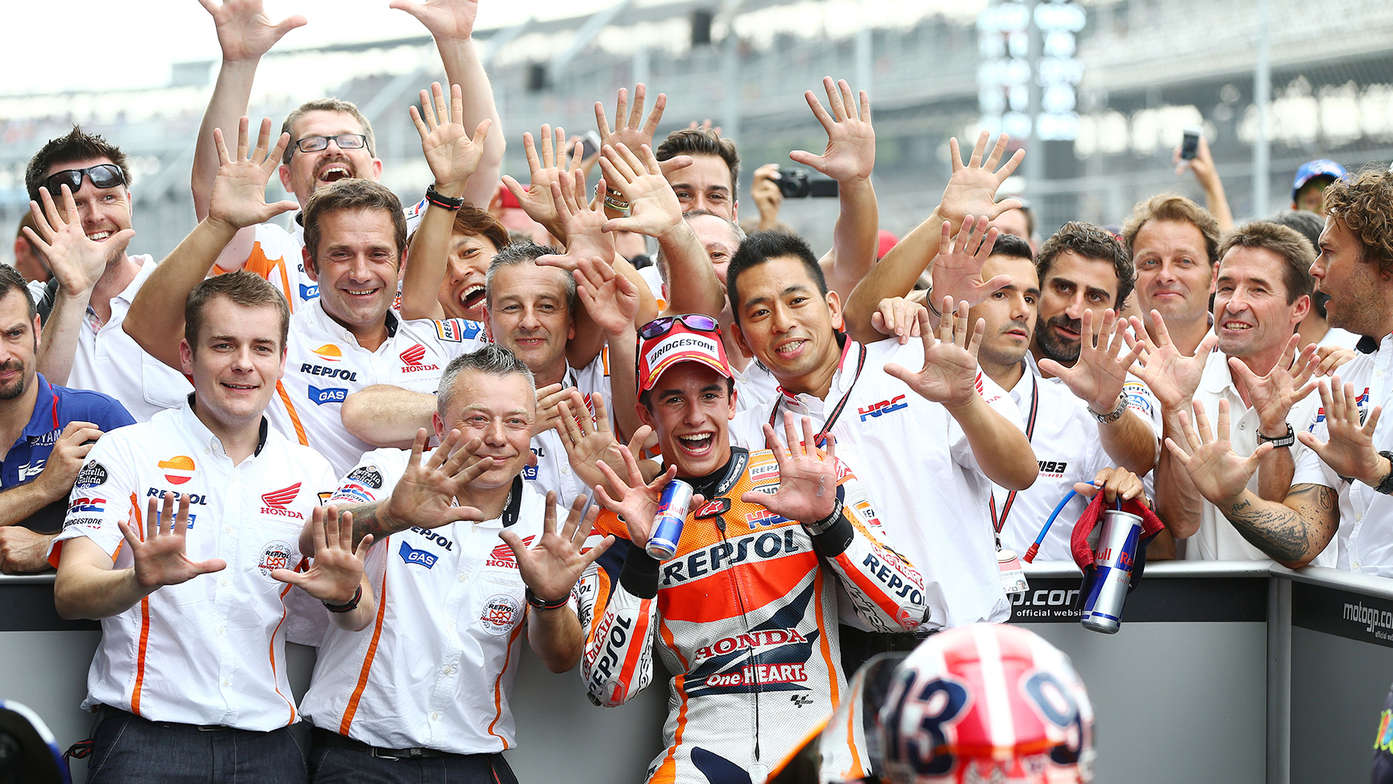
{"x": 1293, "y": 532}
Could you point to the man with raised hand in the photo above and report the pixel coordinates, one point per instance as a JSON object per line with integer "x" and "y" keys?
{"x": 453, "y": 595}
{"x": 1262, "y": 292}
{"x": 776, "y": 544}
{"x": 943, "y": 420}
{"x": 349, "y": 338}
{"x": 96, "y": 280}
{"x": 193, "y": 602}
{"x": 1340, "y": 484}
{"x": 330, "y": 139}
{"x": 48, "y": 430}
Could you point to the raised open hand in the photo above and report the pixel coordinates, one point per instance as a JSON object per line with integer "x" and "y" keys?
{"x": 77, "y": 261}
{"x": 245, "y": 33}
{"x": 1272, "y": 395}
{"x": 582, "y": 221}
{"x": 1171, "y": 376}
{"x": 897, "y": 317}
{"x": 1350, "y": 450}
{"x": 971, "y": 189}
{"x": 610, "y": 298}
{"x": 336, "y": 571}
{"x": 239, "y": 191}
{"x": 160, "y": 557}
{"x": 807, "y": 475}
{"x": 629, "y": 127}
{"x": 636, "y": 501}
{"x": 1219, "y": 473}
{"x": 453, "y": 156}
{"x": 949, "y": 374}
{"x": 588, "y": 440}
{"x": 447, "y": 20}
{"x": 850, "y": 151}
{"x": 545, "y": 168}
{"x": 553, "y": 565}
{"x": 957, "y": 269}
{"x": 653, "y": 206}
{"x": 1101, "y": 370}
{"x": 425, "y": 494}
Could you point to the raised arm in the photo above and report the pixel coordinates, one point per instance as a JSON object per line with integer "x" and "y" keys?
{"x": 971, "y": 190}
{"x": 156, "y": 317}
{"x": 1207, "y": 175}
{"x": 453, "y": 157}
{"x": 849, "y": 159}
{"x": 1272, "y": 397}
{"x": 451, "y": 25}
{"x": 387, "y": 415}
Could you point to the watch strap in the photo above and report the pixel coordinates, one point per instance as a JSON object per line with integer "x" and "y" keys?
{"x": 1280, "y": 441}
{"x": 1386, "y": 486}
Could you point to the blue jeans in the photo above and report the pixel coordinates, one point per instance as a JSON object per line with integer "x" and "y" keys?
{"x": 335, "y": 759}
{"x": 127, "y": 748}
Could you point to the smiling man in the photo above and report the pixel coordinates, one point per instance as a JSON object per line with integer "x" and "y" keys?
{"x": 1174, "y": 243}
{"x": 776, "y": 545}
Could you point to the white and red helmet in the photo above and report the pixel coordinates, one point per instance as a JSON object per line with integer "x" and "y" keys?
{"x": 985, "y": 703}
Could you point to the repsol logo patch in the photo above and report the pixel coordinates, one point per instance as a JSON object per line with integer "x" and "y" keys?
{"x": 311, "y": 369}
{"x": 698, "y": 564}
{"x": 890, "y": 579}
{"x": 615, "y": 637}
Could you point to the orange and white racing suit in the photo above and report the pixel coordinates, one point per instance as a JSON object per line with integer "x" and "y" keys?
{"x": 745, "y": 616}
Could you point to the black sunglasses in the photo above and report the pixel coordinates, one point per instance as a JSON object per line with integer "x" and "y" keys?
{"x": 103, "y": 175}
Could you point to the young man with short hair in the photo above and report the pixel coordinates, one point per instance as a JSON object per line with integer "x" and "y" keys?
{"x": 193, "y": 602}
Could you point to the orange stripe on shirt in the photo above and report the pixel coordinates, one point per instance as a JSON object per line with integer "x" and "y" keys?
{"x": 710, "y": 597}
{"x": 498, "y": 682}
{"x": 825, "y": 647}
{"x": 667, "y": 771}
{"x": 144, "y": 622}
{"x": 294, "y": 417}
{"x": 259, "y": 264}
{"x": 626, "y": 673}
{"x": 271, "y": 652}
{"x": 357, "y": 695}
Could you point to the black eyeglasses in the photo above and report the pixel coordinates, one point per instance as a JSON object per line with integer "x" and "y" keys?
{"x": 663, "y": 324}
{"x": 345, "y": 141}
{"x": 103, "y": 175}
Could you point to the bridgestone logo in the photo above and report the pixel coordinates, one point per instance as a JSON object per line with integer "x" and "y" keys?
{"x": 700, "y": 343}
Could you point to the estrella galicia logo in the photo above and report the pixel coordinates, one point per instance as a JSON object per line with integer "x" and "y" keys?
{"x": 410, "y": 555}
{"x": 368, "y": 475}
{"x": 883, "y": 407}
{"x": 91, "y": 475}
{"x": 327, "y": 395}
{"x": 309, "y": 291}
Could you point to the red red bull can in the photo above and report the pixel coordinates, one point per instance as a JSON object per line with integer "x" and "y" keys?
{"x": 667, "y": 523}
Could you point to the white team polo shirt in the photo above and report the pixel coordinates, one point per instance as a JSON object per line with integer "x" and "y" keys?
{"x": 324, "y": 365}
{"x": 1064, "y": 436}
{"x": 1217, "y": 539}
{"x": 553, "y": 470}
{"x": 210, "y": 650}
{"x": 436, "y": 666}
{"x": 111, "y": 362}
{"x": 918, "y": 468}
{"x": 1366, "y": 515}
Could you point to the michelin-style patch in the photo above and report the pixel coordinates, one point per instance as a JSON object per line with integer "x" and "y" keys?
{"x": 275, "y": 555}
{"x": 367, "y": 476}
{"x": 91, "y": 475}
{"x": 501, "y": 613}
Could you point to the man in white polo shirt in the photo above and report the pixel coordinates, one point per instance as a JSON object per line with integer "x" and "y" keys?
{"x": 349, "y": 338}
{"x": 95, "y": 282}
{"x": 190, "y": 673}
{"x": 456, "y": 594}
{"x": 900, "y": 426}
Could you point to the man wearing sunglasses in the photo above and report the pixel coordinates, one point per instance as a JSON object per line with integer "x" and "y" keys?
{"x": 95, "y": 280}
{"x": 330, "y": 139}
{"x": 776, "y": 543}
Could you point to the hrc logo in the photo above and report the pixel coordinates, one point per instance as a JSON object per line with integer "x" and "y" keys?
{"x": 410, "y": 555}
{"x": 883, "y": 407}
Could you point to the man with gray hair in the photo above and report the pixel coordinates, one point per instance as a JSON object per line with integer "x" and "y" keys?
{"x": 436, "y": 517}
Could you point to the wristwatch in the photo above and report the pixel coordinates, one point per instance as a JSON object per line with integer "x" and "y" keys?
{"x": 1386, "y": 485}
{"x": 1111, "y": 416}
{"x": 1280, "y": 441}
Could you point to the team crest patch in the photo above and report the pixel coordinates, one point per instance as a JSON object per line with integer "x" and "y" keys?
{"x": 501, "y": 613}
{"x": 275, "y": 555}
{"x": 90, "y": 476}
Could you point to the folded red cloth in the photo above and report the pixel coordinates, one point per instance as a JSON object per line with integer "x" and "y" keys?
{"x": 1078, "y": 542}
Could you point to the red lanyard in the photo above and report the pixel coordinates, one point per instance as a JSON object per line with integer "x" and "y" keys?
{"x": 999, "y": 522}
{"x": 820, "y": 436}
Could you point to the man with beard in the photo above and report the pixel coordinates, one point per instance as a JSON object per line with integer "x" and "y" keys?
{"x": 49, "y": 430}
{"x": 1342, "y": 483}
{"x": 331, "y": 140}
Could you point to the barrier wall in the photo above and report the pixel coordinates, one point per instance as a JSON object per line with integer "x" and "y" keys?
{"x": 1221, "y": 672}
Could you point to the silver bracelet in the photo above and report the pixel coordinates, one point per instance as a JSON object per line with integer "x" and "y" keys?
{"x": 1111, "y": 416}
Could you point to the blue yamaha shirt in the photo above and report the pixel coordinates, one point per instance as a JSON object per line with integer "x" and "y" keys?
{"x": 54, "y": 408}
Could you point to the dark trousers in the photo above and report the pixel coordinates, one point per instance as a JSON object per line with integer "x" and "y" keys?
{"x": 335, "y": 758}
{"x": 858, "y": 646}
{"x": 128, "y": 748}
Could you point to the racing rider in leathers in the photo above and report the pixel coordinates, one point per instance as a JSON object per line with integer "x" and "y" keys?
{"x": 777, "y": 544}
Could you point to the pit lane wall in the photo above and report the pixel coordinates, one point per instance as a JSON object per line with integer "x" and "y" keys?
{"x": 1221, "y": 672}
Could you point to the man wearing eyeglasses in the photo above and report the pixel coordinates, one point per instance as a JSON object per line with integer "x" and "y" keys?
{"x": 95, "y": 280}
{"x": 330, "y": 139}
